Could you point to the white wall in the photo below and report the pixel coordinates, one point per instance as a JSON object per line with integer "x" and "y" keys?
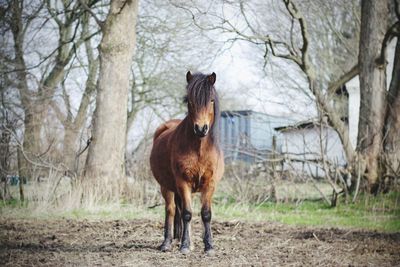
{"x": 305, "y": 144}
{"x": 353, "y": 87}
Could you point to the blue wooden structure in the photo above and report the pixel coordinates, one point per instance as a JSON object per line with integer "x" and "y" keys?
{"x": 247, "y": 135}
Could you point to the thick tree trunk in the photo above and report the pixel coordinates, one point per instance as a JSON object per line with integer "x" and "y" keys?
{"x": 374, "y": 24}
{"x": 31, "y": 144}
{"x": 31, "y": 140}
{"x": 105, "y": 166}
{"x": 392, "y": 125}
{"x": 5, "y": 138}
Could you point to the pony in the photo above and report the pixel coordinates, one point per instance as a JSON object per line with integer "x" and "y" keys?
{"x": 185, "y": 159}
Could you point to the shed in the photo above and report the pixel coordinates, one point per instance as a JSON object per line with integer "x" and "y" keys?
{"x": 248, "y": 135}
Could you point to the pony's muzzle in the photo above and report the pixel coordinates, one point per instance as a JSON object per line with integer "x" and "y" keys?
{"x": 201, "y": 131}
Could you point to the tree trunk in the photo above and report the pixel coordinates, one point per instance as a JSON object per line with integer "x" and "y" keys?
{"x": 392, "y": 126}
{"x": 70, "y": 146}
{"x": 31, "y": 144}
{"x": 105, "y": 165}
{"x": 374, "y": 24}
{"x": 31, "y": 140}
{"x": 5, "y": 138}
{"x": 36, "y": 104}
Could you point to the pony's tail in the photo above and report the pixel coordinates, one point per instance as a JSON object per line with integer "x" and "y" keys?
{"x": 178, "y": 217}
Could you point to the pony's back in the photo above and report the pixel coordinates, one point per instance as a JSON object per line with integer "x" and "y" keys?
{"x": 171, "y": 124}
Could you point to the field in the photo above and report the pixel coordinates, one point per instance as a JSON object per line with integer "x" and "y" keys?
{"x": 75, "y": 242}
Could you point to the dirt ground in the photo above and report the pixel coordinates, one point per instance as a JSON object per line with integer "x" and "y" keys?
{"x": 134, "y": 243}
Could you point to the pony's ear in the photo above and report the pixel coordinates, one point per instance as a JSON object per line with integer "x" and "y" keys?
{"x": 189, "y": 76}
{"x": 211, "y": 78}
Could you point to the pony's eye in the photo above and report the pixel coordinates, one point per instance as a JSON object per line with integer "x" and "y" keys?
{"x": 212, "y": 100}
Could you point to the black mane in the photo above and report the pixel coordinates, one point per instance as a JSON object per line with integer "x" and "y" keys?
{"x": 200, "y": 92}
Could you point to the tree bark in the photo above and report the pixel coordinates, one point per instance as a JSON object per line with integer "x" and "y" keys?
{"x": 105, "y": 165}
{"x": 392, "y": 125}
{"x": 374, "y": 25}
{"x": 31, "y": 143}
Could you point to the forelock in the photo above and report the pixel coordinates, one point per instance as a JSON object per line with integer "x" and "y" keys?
{"x": 199, "y": 90}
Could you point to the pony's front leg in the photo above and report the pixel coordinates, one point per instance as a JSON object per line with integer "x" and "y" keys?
{"x": 169, "y": 218}
{"x": 206, "y": 196}
{"x": 186, "y": 196}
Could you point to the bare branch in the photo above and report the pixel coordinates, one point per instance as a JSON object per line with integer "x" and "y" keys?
{"x": 394, "y": 31}
{"x": 89, "y": 10}
{"x": 354, "y": 71}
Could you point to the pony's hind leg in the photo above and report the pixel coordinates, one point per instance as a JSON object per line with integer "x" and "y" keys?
{"x": 169, "y": 218}
{"x": 206, "y": 196}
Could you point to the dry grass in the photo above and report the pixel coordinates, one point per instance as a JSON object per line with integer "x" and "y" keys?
{"x": 244, "y": 184}
{"x": 243, "y": 193}
{"x": 239, "y": 185}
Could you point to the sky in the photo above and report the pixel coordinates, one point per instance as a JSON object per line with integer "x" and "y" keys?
{"x": 241, "y": 77}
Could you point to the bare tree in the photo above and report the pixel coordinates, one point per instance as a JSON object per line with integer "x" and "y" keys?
{"x": 105, "y": 164}
{"x": 36, "y": 97}
{"x": 73, "y": 124}
{"x": 374, "y": 23}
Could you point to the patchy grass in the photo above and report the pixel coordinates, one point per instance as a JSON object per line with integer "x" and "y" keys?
{"x": 374, "y": 213}
{"x": 380, "y": 213}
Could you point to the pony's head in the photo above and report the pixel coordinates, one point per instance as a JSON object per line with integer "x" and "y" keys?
{"x": 202, "y": 102}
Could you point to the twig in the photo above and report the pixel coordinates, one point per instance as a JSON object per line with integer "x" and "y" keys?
{"x": 154, "y": 206}
{"x": 358, "y": 181}
{"x": 86, "y": 147}
{"x": 315, "y": 236}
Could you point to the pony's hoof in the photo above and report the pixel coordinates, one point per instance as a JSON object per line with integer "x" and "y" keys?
{"x": 165, "y": 247}
{"x": 210, "y": 252}
{"x": 185, "y": 251}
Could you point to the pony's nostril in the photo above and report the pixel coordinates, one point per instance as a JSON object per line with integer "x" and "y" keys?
{"x": 197, "y": 128}
{"x": 205, "y": 128}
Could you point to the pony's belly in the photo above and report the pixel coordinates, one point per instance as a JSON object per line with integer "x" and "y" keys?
{"x": 164, "y": 178}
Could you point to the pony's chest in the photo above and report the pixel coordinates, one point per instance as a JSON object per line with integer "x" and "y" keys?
{"x": 196, "y": 171}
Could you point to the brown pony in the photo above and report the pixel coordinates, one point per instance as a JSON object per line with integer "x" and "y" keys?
{"x": 186, "y": 158}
